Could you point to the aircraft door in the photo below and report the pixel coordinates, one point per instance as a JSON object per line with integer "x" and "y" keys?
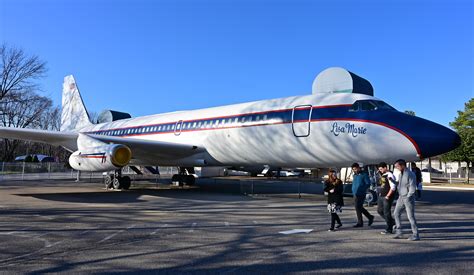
{"x": 177, "y": 128}
{"x": 300, "y": 120}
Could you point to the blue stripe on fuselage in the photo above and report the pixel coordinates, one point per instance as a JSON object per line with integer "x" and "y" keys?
{"x": 419, "y": 131}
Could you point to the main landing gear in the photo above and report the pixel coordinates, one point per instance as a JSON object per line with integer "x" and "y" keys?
{"x": 117, "y": 181}
{"x": 185, "y": 177}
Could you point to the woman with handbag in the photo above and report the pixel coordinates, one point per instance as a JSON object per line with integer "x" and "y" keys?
{"x": 333, "y": 186}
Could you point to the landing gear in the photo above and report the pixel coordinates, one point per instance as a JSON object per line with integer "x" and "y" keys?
{"x": 108, "y": 181}
{"x": 116, "y": 181}
{"x": 185, "y": 176}
{"x": 183, "y": 179}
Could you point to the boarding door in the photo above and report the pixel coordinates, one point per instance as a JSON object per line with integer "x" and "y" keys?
{"x": 300, "y": 120}
{"x": 177, "y": 128}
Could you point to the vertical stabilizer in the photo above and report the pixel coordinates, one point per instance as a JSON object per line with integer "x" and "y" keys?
{"x": 74, "y": 115}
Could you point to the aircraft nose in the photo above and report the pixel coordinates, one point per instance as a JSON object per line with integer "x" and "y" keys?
{"x": 434, "y": 139}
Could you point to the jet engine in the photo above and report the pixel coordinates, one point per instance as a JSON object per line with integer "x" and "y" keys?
{"x": 101, "y": 159}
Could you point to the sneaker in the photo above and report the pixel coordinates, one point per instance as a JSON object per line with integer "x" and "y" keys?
{"x": 331, "y": 230}
{"x": 357, "y": 225}
{"x": 414, "y": 238}
{"x": 398, "y": 236}
{"x": 339, "y": 225}
{"x": 385, "y": 232}
{"x": 371, "y": 220}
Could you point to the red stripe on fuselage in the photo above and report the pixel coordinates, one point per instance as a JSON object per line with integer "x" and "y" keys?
{"x": 221, "y": 117}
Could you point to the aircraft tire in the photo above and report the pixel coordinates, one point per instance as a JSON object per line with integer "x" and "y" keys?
{"x": 117, "y": 183}
{"x": 175, "y": 178}
{"x": 189, "y": 180}
{"x": 371, "y": 197}
{"x": 108, "y": 181}
{"x": 125, "y": 183}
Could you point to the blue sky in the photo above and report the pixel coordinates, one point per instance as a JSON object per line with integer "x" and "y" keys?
{"x": 147, "y": 57}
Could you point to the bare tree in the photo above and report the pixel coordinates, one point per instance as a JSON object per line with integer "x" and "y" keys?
{"x": 19, "y": 71}
{"x": 21, "y": 109}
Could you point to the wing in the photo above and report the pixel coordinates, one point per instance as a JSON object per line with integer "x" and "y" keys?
{"x": 148, "y": 149}
{"x": 66, "y": 139}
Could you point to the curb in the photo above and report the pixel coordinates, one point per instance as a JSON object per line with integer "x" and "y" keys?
{"x": 449, "y": 188}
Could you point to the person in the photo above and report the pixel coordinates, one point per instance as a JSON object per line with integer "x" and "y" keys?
{"x": 406, "y": 200}
{"x": 360, "y": 184}
{"x": 387, "y": 190}
{"x": 333, "y": 186}
{"x": 419, "y": 180}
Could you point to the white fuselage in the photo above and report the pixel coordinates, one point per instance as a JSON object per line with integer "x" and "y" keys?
{"x": 282, "y": 132}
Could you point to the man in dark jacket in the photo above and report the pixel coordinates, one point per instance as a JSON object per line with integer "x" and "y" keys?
{"x": 360, "y": 184}
{"x": 387, "y": 189}
{"x": 419, "y": 180}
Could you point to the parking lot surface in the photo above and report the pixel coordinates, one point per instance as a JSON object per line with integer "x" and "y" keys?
{"x": 63, "y": 226}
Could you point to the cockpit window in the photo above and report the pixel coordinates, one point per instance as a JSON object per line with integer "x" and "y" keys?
{"x": 370, "y": 105}
{"x": 367, "y": 106}
{"x": 383, "y": 106}
{"x": 354, "y": 107}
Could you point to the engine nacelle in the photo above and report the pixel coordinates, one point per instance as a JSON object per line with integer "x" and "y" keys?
{"x": 101, "y": 159}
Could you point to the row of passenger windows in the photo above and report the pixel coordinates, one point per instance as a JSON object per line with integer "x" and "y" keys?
{"x": 203, "y": 124}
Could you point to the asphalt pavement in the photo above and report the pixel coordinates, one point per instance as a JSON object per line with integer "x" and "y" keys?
{"x": 219, "y": 227}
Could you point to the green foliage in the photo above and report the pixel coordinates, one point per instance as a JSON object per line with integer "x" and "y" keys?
{"x": 464, "y": 126}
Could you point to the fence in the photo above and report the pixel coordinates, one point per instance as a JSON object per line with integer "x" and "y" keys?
{"x": 53, "y": 170}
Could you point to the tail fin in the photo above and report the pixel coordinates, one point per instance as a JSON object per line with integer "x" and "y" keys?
{"x": 74, "y": 115}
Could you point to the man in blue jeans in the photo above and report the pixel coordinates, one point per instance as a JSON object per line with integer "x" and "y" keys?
{"x": 360, "y": 184}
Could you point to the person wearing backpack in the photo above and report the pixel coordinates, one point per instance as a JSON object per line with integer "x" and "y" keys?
{"x": 333, "y": 186}
{"x": 419, "y": 180}
{"x": 387, "y": 191}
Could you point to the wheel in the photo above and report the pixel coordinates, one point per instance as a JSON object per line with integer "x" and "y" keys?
{"x": 117, "y": 183}
{"x": 108, "y": 181}
{"x": 371, "y": 197}
{"x": 125, "y": 182}
{"x": 189, "y": 180}
{"x": 175, "y": 179}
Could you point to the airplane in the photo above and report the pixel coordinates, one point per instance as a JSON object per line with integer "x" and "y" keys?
{"x": 324, "y": 129}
